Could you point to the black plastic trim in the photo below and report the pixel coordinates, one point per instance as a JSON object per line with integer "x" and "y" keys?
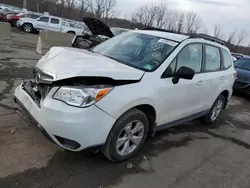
{"x": 180, "y": 121}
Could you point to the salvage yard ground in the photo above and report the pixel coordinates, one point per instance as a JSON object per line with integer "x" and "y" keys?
{"x": 191, "y": 155}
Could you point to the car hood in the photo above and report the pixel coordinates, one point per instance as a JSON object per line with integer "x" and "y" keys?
{"x": 97, "y": 27}
{"x": 63, "y": 63}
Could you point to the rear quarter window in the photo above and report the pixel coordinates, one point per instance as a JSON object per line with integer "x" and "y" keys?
{"x": 227, "y": 59}
{"x": 212, "y": 58}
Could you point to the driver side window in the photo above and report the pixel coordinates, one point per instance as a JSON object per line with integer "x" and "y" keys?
{"x": 190, "y": 56}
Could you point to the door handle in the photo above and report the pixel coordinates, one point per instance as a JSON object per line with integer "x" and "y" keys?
{"x": 222, "y": 78}
{"x": 200, "y": 83}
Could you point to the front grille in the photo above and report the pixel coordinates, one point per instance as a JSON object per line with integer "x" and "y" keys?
{"x": 37, "y": 92}
{"x": 43, "y": 90}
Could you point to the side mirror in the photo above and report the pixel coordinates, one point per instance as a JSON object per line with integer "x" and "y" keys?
{"x": 184, "y": 73}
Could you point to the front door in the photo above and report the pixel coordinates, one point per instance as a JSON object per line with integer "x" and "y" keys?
{"x": 184, "y": 98}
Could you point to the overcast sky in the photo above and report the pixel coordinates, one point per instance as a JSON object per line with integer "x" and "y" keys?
{"x": 230, "y": 14}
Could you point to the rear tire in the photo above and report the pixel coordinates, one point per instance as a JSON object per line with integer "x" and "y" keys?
{"x": 215, "y": 111}
{"x": 28, "y": 28}
{"x": 122, "y": 143}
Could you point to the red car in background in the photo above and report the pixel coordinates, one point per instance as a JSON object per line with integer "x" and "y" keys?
{"x": 12, "y": 18}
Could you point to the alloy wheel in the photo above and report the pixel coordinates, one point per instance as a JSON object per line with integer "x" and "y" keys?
{"x": 216, "y": 110}
{"x": 129, "y": 138}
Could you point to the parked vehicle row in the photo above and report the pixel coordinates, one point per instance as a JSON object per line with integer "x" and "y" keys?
{"x": 34, "y": 22}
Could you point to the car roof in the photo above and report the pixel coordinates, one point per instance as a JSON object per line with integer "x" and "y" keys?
{"x": 162, "y": 34}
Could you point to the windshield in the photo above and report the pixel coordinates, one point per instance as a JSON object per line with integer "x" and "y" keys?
{"x": 242, "y": 64}
{"x": 145, "y": 52}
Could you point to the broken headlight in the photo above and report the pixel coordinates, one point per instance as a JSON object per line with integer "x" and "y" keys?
{"x": 81, "y": 96}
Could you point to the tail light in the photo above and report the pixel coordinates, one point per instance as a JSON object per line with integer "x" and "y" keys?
{"x": 235, "y": 75}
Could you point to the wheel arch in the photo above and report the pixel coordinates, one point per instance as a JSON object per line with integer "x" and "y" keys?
{"x": 147, "y": 108}
{"x": 27, "y": 23}
{"x": 226, "y": 94}
{"x": 71, "y": 32}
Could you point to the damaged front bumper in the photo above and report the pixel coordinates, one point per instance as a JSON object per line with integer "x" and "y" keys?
{"x": 70, "y": 127}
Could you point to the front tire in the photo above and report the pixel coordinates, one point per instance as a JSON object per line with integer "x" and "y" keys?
{"x": 28, "y": 28}
{"x": 215, "y": 111}
{"x": 127, "y": 136}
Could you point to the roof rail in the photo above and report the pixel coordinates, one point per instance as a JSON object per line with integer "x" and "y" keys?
{"x": 164, "y": 30}
{"x": 207, "y": 37}
{"x": 198, "y": 35}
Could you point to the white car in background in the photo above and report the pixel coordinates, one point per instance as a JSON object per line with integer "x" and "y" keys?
{"x": 125, "y": 89}
{"x": 52, "y": 23}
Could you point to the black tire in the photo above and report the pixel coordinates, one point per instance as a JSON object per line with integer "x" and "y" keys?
{"x": 207, "y": 119}
{"x": 109, "y": 149}
{"x": 28, "y": 28}
{"x": 13, "y": 23}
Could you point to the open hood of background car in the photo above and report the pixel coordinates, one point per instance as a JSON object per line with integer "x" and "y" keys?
{"x": 97, "y": 27}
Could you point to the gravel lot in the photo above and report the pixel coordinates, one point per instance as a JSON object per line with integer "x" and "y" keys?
{"x": 191, "y": 155}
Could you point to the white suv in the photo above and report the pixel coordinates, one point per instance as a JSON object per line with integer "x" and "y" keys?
{"x": 123, "y": 90}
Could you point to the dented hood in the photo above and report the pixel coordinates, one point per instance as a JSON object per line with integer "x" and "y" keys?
{"x": 71, "y": 62}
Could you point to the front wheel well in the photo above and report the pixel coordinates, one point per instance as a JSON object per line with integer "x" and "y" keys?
{"x": 71, "y": 32}
{"x": 151, "y": 115}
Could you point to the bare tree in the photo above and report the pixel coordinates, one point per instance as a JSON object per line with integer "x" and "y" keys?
{"x": 96, "y": 7}
{"x": 217, "y": 31}
{"x": 240, "y": 37}
{"x": 231, "y": 37}
{"x": 175, "y": 21}
{"x": 193, "y": 22}
{"x": 83, "y": 8}
{"x": 145, "y": 14}
{"x": 160, "y": 16}
{"x": 70, "y": 5}
{"x": 109, "y": 9}
{"x": 180, "y": 23}
{"x": 171, "y": 20}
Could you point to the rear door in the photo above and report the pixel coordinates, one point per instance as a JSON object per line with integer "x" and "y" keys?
{"x": 43, "y": 23}
{"x": 55, "y": 24}
{"x": 213, "y": 75}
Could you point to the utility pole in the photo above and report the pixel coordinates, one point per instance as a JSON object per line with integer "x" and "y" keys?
{"x": 25, "y": 4}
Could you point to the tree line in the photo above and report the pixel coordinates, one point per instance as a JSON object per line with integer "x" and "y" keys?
{"x": 150, "y": 14}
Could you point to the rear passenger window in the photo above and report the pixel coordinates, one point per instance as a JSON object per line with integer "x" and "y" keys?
{"x": 191, "y": 57}
{"x": 212, "y": 58}
{"x": 54, "y": 21}
{"x": 227, "y": 59}
{"x": 43, "y": 19}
